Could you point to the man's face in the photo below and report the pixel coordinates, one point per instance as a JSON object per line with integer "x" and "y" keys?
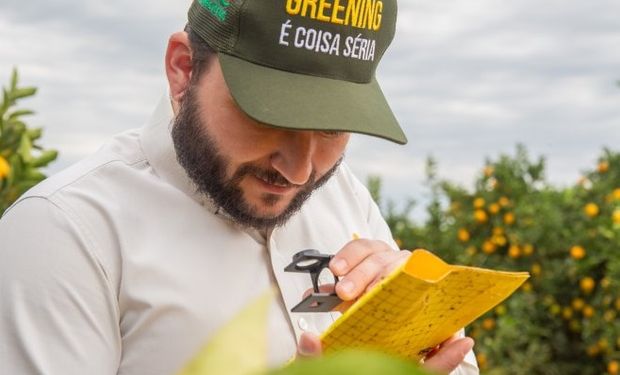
{"x": 258, "y": 174}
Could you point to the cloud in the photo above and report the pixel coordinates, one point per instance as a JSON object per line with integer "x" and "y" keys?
{"x": 468, "y": 80}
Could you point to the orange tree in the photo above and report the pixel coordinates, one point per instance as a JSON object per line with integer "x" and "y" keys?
{"x": 564, "y": 319}
{"x": 21, "y": 157}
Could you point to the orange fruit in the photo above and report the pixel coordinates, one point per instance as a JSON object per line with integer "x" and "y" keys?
{"x": 605, "y": 282}
{"x": 567, "y": 313}
{"x": 480, "y": 216}
{"x": 494, "y": 208}
{"x": 5, "y": 168}
{"x": 488, "y": 247}
{"x": 616, "y": 194}
{"x": 479, "y": 202}
{"x": 536, "y": 269}
{"x": 615, "y": 217}
{"x": 609, "y": 316}
{"x": 499, "y": 240}
{"x": 613, "y": 367}
{"x": 488, "y": 324}
{"x": 528, "y": 250}
{"x": 587, "y": 284}
{"x": 577, "y": 252}
{"x": 603, "y": 166}
{"x": 463, "y": 235}
{"x": 591, "y": 209}
{"x": 587, "y": 311}
{"x": 488, "y": 171}
{"x": 593, "y": 350}
{"x": 578, "y": 304}
{"x": 514, "y": 251}
{"x": 481, "y": 358}
{"x": 509, "y": 218}
{"x": 504, "y": 201}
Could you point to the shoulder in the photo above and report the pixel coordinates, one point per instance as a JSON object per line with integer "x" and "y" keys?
{"x": 121, "y": 152}
{"x": 70, "y": 211}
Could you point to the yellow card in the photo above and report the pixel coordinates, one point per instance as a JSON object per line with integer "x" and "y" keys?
{"x": 420, "y": 305}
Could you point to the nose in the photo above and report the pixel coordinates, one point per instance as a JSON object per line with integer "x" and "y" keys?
{"x": 293, "y": 159}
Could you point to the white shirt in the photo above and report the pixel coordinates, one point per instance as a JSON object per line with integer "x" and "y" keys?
{"x": 117, "y": 265}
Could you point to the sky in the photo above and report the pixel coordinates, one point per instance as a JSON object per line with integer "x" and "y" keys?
{"x": 467, "y": 80}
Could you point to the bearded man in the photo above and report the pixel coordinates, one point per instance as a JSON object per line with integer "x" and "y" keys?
{"x": 128, "y": 261}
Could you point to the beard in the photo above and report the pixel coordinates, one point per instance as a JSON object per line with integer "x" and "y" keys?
{"x": 207, "y": 166}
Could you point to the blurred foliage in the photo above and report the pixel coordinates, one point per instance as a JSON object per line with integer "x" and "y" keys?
{"x": 565, "y": 319}
{"x": 240, "y": 348}
{"x": 21, "y": 157}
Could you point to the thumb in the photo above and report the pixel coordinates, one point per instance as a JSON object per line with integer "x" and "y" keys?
{"x": 449, "y": 356}
{"x": 309, "y": 345}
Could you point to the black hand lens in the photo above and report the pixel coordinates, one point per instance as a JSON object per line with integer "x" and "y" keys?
{"x": 313, "y": 262}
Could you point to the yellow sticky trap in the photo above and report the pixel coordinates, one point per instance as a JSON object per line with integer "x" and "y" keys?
{"x": 420, "y": 305}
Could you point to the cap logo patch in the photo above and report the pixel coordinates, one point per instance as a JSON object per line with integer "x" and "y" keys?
{"x": 363, "y": 14}
{"x": 216, "y": 8}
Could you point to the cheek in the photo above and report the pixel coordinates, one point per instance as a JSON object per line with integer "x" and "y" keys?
{"x": 239, "y": 138}
{"x": 329, "y": 152}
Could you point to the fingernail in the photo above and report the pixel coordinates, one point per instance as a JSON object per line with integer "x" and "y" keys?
{"x": 346, "y": 286}
{"x": 338, "y": 265}
{"x": 306, "y": 347}
{"x": 470, "y": 343}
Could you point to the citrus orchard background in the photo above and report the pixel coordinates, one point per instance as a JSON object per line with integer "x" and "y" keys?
{"x": 564, "y": 319}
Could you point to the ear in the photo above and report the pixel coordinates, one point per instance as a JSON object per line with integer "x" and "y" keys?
{"x": 178, "y": 65}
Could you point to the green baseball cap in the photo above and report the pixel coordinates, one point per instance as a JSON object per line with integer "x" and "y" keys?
{"x": 304, "y": 64}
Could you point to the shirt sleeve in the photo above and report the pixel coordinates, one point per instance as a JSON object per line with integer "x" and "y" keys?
{"x": 58, "y": 313}
{"x": 469, "y": 366}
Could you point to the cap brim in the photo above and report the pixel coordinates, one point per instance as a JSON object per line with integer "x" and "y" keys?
{"x": 302, "y": 102}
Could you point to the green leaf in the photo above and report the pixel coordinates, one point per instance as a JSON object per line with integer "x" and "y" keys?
{"x": 21, "y": 112}
{"x": 33, "y": 175}
{"x": 44, "y": 159}
{"x": 23, "y": 92}
{"x": 14, "y": 79}
{"x": 358, "y": 362}
{"x": 25, "y": 148}
{"x": 246, "y": 334}
{"x": 35, "y": 134}
{"x": 6, "y": 102}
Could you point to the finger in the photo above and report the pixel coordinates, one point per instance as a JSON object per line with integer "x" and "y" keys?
{"x": 438, "y": 347}
{"x": 449, "y": 356}
{"x": 309, "y": 345}
{"x": 325, "y": 288}
{"x": 355, "y": 252}
{"x": 354, "y": 283}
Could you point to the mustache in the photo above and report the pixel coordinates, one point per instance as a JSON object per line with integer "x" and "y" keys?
{"x": 270, "y": 175}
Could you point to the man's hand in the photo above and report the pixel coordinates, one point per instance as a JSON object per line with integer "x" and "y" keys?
{"x": 361, "y": 264}
{"x": 443, "y": 361}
